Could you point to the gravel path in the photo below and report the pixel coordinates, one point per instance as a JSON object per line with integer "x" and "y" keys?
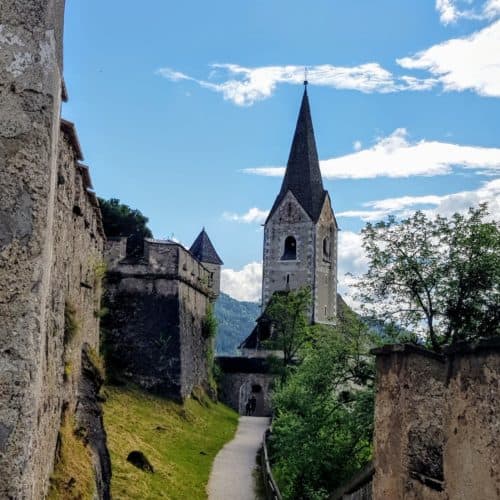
{"x": 231, "y": 477}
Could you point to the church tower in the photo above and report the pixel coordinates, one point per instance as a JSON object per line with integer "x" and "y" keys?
{"x": 300, "y": 233}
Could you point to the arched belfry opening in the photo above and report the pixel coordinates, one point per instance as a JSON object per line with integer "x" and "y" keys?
{"x": 290, "y": 249}
{"x": 326, "y": 247}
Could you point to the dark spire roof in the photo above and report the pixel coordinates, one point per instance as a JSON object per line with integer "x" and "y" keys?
{"x": 303, "y": 176}
{"x": 204, "y": 251}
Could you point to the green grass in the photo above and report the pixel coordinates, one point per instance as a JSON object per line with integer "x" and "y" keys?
{"x": 73, "y": 476}
{"x": 180, "y": 441}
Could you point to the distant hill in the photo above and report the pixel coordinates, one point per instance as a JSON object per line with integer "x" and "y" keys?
{"x": 235, "y": 322}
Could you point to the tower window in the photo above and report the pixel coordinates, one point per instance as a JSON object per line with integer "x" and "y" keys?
{"x": 290, "y": 251}
{"x": 287, "y": 279}
{"x": 326, "y": 247}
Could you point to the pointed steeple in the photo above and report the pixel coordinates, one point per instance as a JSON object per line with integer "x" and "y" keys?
{"x": 204, "y": 251}
{"x": 303, "y": 175}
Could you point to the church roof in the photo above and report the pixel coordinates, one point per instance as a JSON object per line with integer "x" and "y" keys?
{"x": 204, "y": 251}
{"x": 303, "y": 175}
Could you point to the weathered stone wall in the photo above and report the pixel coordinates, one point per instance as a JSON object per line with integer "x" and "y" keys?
{"x": 290, "y": 219}
{"x": 30, "y": 96}
{"x": 313, "y": 267}
{"x": 437, "y": 432}
{"x": 325, "y": 268}
{"x": 472, "y": 429}
{"x": 50, "y": 248}
{"x": 155, "y": 326}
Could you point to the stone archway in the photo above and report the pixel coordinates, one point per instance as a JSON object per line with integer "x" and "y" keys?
{"x": 253, "y": 388}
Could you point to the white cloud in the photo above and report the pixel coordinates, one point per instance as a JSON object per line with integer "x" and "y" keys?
{"x": 352, "y": 262}
{"x": 357, "y": 145}
{"x": 450, "y": 11}
{"x": 492, "y": 8}
{"x": 254, "y": 215}
{"x": 444, "y": 205}
{"x": 244, "y": 86}
{"x": 470, "y": 63}
{"x": 245, "y": 284}
{"x": 172, "y": 75}
{"x": 397, "y": 156}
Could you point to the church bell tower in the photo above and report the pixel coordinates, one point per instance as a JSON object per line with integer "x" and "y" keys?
{"x": 300, "y": 233}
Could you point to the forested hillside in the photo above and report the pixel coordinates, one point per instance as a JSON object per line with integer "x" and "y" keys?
{"x": 235, "y": 322}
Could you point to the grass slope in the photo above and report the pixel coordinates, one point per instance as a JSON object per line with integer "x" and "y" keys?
{"x": 236, "y": 321}
{"x": 73, "y": 476}
{"x": 180, "y": 442}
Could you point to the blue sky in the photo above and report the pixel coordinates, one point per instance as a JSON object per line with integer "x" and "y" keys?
{"x": 186, "y": 111}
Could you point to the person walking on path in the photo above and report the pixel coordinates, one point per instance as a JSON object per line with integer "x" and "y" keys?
{"x": 231, "y": 477}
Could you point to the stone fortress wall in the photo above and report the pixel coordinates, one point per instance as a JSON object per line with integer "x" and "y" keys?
{"x": 51, "y": 243}
{"x": 156, "y": 322}
{"x": 437, "y": 432}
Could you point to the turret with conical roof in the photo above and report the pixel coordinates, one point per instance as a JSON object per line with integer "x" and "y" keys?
{"x": 300, "y": 233}
{"x": 205, "y": 252}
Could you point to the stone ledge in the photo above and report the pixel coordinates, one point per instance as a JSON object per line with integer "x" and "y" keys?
{"x": 388, "y": 349}
{"x": 463, "y": 347}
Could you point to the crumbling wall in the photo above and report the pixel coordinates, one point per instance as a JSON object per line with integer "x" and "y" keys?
{"x": 437, "y": 432}
{"x": 50, "y": 248}
{"x": 472, "y": 452}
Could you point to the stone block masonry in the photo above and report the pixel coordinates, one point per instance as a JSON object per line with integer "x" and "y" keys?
{"x": 51, "y": 244}
{"x": 437, "y": 430}
{"x": 155, "y": 328}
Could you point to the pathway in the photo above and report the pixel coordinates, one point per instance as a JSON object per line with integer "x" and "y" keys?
{"x": 231, "y": 477}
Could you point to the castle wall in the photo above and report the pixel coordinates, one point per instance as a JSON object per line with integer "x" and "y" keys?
{"x": 154, "y": 328}
{"x": 437, "y": 434}
{"x": 46, "y": 251}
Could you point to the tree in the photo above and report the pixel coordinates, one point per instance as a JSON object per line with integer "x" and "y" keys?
{"x": 121, "y": 220}
{"x": 438, "y": 277}
{"x": 290, "y": 325}
{"x": 323, "y": 425}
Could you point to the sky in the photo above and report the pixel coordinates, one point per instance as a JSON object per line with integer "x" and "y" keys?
{"x": 186, "y": 111}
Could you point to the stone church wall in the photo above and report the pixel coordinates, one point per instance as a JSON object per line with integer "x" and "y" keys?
{"x": 437, "y": 432}
{"x": 155, "y": 326}
{"x": 289, "y": 220}
{"x": 50, "y": 249}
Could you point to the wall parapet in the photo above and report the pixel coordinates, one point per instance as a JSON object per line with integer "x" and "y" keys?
{"x": 161, "y": 259}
